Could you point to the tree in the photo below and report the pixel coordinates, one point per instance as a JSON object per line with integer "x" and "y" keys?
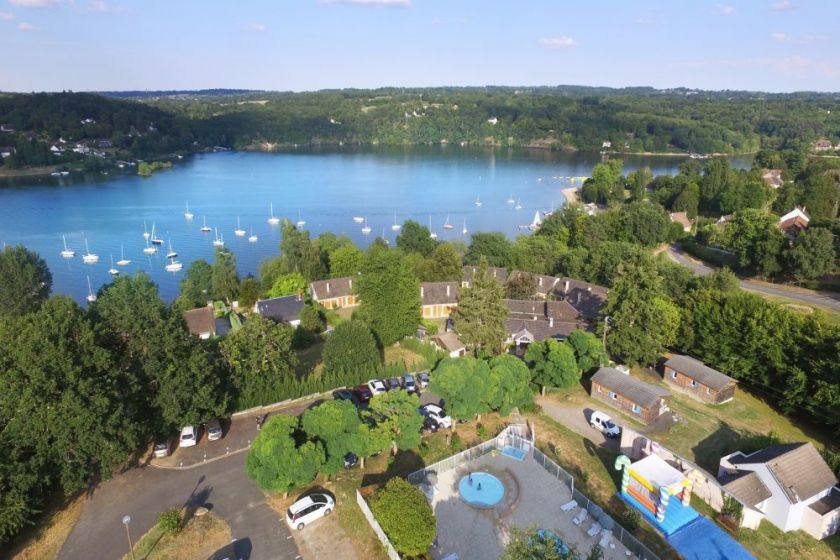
{"x": 196, "y": 286}
{"x": 494, "y": 247}
{"x": 415, "y": 238}
{"x": 336, "y": 424}
{"x": 403, "y": 512}
{"x": 347, "y": 260}
{"x": 444, "y": 264}
{"x": 25, "y": 281}
{"x": 638, "y": 182}
{"x": 350, "y": 353}
{"x": 288, "y": 284}
{"x": 536, "y": 253}
{"x": 260, "y": 360}
{"x": 812, "y": 254}
{"x": 224, "y": 280}
{"x": 589, "y": 350}
{"x": 509, "y": 384}
{"x": 643, "y": 223}
{"x": 534, "y": 545}
{"x": 249, "y": 292}
{"x": 276, "y": 462}
{"x": 754, "y": 236}
{"x": 462, "y": 383}
{"x": 397, "y": 414}
{"x": 552, "y": 364}
{"x": 390, "y": 296}
{"x": 312, "y": 317}
{"x": 688, "y": 200}
{"x": 521, "y": 286}
{"x": 481, "y": 316}
{"x": 299, "y": 253}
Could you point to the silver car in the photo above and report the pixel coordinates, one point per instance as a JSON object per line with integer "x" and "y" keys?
{"x": 214, "y": 430}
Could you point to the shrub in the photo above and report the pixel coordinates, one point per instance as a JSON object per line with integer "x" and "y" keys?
{"x": 631, "y": 519}
{"x": 597, "y": 553}
{"x": 455, "y": 442}
{"x": 481, "y": 429}
{"x": 170, "y": 520}
{"x": 430, "y": 353}
{"x": 406, "y": 517}
{"x": 431, "y": 327}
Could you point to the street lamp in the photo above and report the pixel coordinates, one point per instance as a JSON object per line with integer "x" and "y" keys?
{"x": 126, "y": 520}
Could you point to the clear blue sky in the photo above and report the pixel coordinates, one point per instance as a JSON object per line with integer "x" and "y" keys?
{"x": 772, "y": 45}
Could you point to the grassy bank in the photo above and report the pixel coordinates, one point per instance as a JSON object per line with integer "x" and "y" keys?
{"x": 198, "y": 540}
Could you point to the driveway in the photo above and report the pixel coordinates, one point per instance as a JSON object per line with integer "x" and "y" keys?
{"x": 144, "y": 492}
{"x": 824, "y": 299}
{"x": 576, "y": 418}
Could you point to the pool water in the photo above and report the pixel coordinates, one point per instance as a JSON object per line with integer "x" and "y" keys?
{"x": 481, "y": 490}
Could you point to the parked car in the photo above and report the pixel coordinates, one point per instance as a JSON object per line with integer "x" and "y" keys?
{"x": 363, "y": 393}
{"x": 408, "y": 383}
{"x": 350, "y": 460}
{"x": 429, "y": 425}
{"x": 436, "y": 413}
{"x": 376, "y": 387}
{"x": 189, "y": 436}
{"x": 214, "y": 430}
{"x": 308, "y": 509}
{"x": 604, "y": 424}
{"x": 423, "y": 379}
{"x": 162, "y": 448}
{"x": 344, "y": 395}
{"x": 393, "y": 384}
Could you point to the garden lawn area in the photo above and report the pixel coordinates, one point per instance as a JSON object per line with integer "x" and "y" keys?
{"x": 201, "y": 537}
{"x": 770, "y": 543}
{"x": 309, "y": 360}
{"x": 799, "y": 306}
{"x": 397, "y": 354}
{"x": 44, "y": 540}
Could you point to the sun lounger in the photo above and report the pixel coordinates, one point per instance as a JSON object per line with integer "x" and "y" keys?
{"x": 594, "y": 530}
{"x": 580, "y": 517}
{"x": 606, "y": 536}
{"x": 569, "y": 506}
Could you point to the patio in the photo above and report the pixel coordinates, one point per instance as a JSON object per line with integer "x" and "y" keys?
{"x": 533, "y": 499}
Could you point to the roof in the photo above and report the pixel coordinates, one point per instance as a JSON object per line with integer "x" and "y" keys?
{"x": 281, "y": 309}
{"x": 799, "y": 468}
{"x": 541, "y": 309}
{"x": 773, "y": 177}
{"x": 499, "y": 273}
{"x": 449, "y": 341}
{"x": 826, "y": 503}
{"x": 643, "y": 394}
{"x": 587, "y": 298}
{"x": 331, "y": 288}
{"x": 437, "y": 293}
{"x": 681, "y": 218}
{"x": 200, "y": 320}
{"x": 700, "y": 372}
{"x": 747, "y": 487}
{"x": 655, "y": 470}
{"x": 542, "y": 329}
{"x": 225, "y": 324}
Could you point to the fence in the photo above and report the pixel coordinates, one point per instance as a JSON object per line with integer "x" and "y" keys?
{"x": 383, "y": 538}
{"x": 456, "y": 460}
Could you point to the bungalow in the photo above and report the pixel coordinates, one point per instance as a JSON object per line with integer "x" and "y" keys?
{"x": 588, "y": 299}
{"x": 499, "y": 273}
{"x": 682, "y": 219}
{"x": 201, "y": 322}
{"x": 699, "y": 380}
{"x": 449, "y": 343}
{"x": 794, "y": 222}
{"x": 790, "y": 483}
{"x": 531, "y": 321}
{"x": 334, "y": 293}
{"x": 629, "y": 394}
{"x": 823, "y": 145}
{"x": 438, "y": 299}
{"x": 7, "y": 128}
{"x": 284, "y": 309}
{"x": 773, "y": 177}
{"x": 6, "y": 151}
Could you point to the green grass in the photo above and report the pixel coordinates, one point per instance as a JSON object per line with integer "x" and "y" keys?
{"x": 309, "y": 359}
{"x": 770, "y": 543}
{"x": 201, "y": 537}
{"x": 798, "y": 306}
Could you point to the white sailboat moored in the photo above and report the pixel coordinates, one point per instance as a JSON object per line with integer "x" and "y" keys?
{"x": 300, "y": 222}
{"x": 146, "y": 234}
{"x": 67, "y": 253}
{"x": 478, "y": 200}
{"x": 358, "y": 219}
{"x": 155, "y": 239}
{"x": 510, "y": 199}
{"x": 149, "y": 249}
{"x": 432, "y": 233}
{"x": 272, "y": 219}
{"x": 446, "y": 224}
{"x": 187, "y": 214}
{"x": 123, "y": 261}
{"x": 113, "y": 271}
{"x": 171, "y": 254}
{"x": 239, "y": 232}
{"x": 91, "y": 297}
{"x": 173, "y": 265}
{"x": 366, "y": 228}
{"x": 205, "y": 228}
{"x": 464, "y": 230}
{"x": 253, "y": 238}
{"x": 219, "y": 241}
{"x": 88, "y": 257}
{"x": 518, "y": 205}
{"x": 396, "y": 226}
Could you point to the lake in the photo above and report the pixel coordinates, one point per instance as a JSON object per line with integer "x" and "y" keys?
{"x": 326, "y": 188}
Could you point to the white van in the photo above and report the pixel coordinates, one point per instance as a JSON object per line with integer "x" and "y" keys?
{"x": 604, "y": 424}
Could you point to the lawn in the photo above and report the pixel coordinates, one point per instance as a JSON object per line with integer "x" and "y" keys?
{"x": 397, "y": 354}
{"x": 309, "y": 360}
{"x": 201, "y": 537}
{"x": 798, "y": 306}
{"x": 45, "y": 539}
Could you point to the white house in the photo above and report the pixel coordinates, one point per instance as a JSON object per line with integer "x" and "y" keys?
{"x": 789, "y": 483}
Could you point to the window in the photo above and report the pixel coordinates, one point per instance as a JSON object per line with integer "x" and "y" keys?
{"x": 673, "y": 374}
{"x": 693, "y": 384}
{"x": 613, "y": 396}
{"x": 708, "y": 391}
{"x": 637, "y": 409}
{"x": 599, "y": 388}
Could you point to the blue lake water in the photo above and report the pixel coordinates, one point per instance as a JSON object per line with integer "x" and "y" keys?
{"x": 327, "y": 188}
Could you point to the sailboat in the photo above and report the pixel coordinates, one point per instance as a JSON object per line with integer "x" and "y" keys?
{"x": 446, "y": 224}
{"x": 272, "y": 219}
{"x": 396, "y": 226}
{"x": 358, "y": 219}
{"x": 171, "y": 254}
{"x": 173, "y": 265}
{"x": 123, "y": 261}
{"x": 432, "y": 233}
{"x": 113, "y": 271}
{"x": 145, "y": 231}
{"x": 88, "y": 257}
{"x": 219, "y": 241}
{"x": 150, "y": 249}
{"x": 67, "y": 253}
{"x": 155, "y": 239}
{"x": 239, "y": 232}
{"x": 385, "y": 239}
{"x": 91, "y": 297}
{"x": 510, "y": 199}
{"x": 253, "y": 238}
{"x": 478, "y": 200}
{"x": 205, "y": 228}
{"x": 366, "y": 228}
{"x": 301, "y": 222}
{"x": 464, "y": 230}
{"x": 518, "y": 205}
{"x": 187, "y": 214}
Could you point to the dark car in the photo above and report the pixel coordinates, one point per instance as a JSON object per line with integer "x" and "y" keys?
{"x": 430, "y": 425}
{"x": 423, "y": 379}
{"x": 363, "y": 393}
{"x": 393, "y": 384}
{"x": 344, "y": 395}
{"x": 350, "y": 460}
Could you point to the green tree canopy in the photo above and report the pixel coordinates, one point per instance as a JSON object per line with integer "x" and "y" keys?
{"x": 288, "y": 284}
{"x": 350, "y": 353}
{"x": 812, "y": 254}
{"x": 25, "y": 281}
{"x": 196, "y": 286}
{"x": 347, "y": 260}
{"x": 493, "y": 246}
{"x": 589, "y": 350}
{"x": 552, "y": 364}
{"x": 754, "y": 236}
{"x": 509, "y": 384}
{"x": 444, "y": 264}
{"x": 390, "y": 296}
{"x": 249, "y": 292}
{"x": 521, "y": 286}
{"x": 276, "y": 462}
{"x": 336, "y": 424}
{"x": 406, "y": 517}
{"x": 224, "y": 280}
{"x": 462, "y": 383}
{"x": 415, "y": 238}
{"x": 397, "y": 414}
{"x": 481, "y": 316}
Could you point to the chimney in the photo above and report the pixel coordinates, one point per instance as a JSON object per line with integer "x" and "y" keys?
{"x": 540, "y": 281}
{"x": 551, "y": 321}
{"x": 589, "y": 288}
{"x": 447, "y": 290}
{"x": 421, "y": 292}
{"x": 328, "y": 287}
{"x": 566, "y": 289}
{"x": 351, "y": 283}
{"x": 300, "y": 296}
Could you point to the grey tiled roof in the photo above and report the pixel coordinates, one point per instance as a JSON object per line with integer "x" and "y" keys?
{"x": 583, "y": 296}
{"x": 643, "y": 394}
{"x": 438, "y": 293}
{"x": 200, "y": 320}
{"x": 747, "y": 487}
{"x": 281, "y": 309}
{"x": 500, "y": 274}
{"x": 529, "y": 309}
{"x": 699, "y": 371}
{"x": 542, "y": 329}
{"x": 331, "y": 288}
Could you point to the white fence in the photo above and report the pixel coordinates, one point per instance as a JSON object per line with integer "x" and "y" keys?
{"x": 383, "y": 538}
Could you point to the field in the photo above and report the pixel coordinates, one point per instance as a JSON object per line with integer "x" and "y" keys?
{"x": 198, "y": 540}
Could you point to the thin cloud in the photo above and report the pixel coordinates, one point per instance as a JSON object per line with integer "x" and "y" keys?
{"x": 256, "y": 27}
{"x": 561, "y": 42}
{"x": 7, "y": 16}
{"x": 780, "y": 36}
{"x": 723, "y": 10}
{"x": 23, "y": 26}
{"x": 35, "y": 3}
{"x": 98, "y": 6}
{"x": 370, "y": 3}
{"x": 783, "y": 6}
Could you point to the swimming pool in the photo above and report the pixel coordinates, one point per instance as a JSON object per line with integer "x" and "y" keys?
{"x": 481, "y": 489}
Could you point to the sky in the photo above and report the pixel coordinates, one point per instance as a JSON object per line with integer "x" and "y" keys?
{"x": 95, "y": 45}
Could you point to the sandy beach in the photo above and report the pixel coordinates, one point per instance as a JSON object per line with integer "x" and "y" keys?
{"x": 571, "y": 195}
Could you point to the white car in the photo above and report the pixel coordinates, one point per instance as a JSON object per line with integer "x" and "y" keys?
{"x": 189, "y": 437}
{"x": 436, "y": 413}
{"x": 376, "y": 387}
{"x": 604, "y": 424}
{"x": 308, "y": 509}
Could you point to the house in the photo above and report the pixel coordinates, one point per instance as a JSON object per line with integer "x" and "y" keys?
{"x": 7, "y": 128}
{"x": 449, "y": 343}
{"x": 726, "y": 218}
{"x": 201, "y": 322}
{"x": 438, "y": 299}
{"x": 790, "y": 483}
{"x": 6, "y": 151}
{"x": 531, "y": 321}
{"x": 499, "y": 273}
{"x": 773, "y": 177}
{"x": 699, "y": 380}
{"x": 606, "y": 144}
{"x": 627, "y": 393}
{"x": 794, "y": 222}
{"x": 682, "y": 219}
{"x": 334, "y": 293}
{"x": 493, "y": 120}
{"x": 231, "y": 322}
{"x": 284, "y": 309}
{"x": 588, "y": 299}
{"x": 823, "y": 145}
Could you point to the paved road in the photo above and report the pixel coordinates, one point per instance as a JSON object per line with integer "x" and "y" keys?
{"x": 146, "y": 491}
{"x": 576, "y": 418}
{"x": 824, "y": 299}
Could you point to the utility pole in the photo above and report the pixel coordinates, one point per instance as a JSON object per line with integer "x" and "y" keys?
{"x": 606, "y": 327}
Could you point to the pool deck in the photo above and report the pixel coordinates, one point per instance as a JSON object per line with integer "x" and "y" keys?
{"x": 481, "y": 534}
